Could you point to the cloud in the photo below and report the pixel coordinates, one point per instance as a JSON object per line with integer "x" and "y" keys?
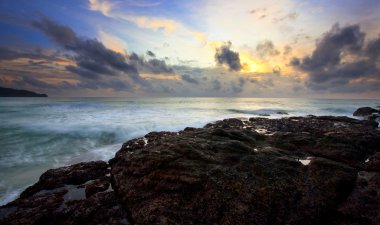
{"x": 8, "y": 54}
{"x": 36, "y": 54}
{"x": 260, "y": 13}
{"x": 156, "y": 66}
{"x": 373, "y": 49}
{"x": 266, "y": 49}
{"x": 287, "y": 50}
{"x": 239, "y": 86}
{"x": 151, "y": 54}
{"x": 107, "y": 8}
{"x": 262, "y": 83}
{"x": 113, "y": 42}
{"x": 93, "y": 60}
{"x": 216, "y": 85}
{"x": 341, "y": 62}
{"x": 189, "y": 79}
{"x": 144, "y": 4}
{"x": 33, "y": 82}
{"x": 101, "y": 5}
{"x": 225, "y": 56}
{"x": 290, "y": 16}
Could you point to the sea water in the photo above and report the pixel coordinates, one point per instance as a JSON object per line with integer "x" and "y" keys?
{"x": 37, "y": 134}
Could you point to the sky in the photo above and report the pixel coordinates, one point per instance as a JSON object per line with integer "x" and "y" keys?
{"x": 192, "y": 48}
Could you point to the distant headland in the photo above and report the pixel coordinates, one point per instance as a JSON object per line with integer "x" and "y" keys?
{"x": 9, "y": 92}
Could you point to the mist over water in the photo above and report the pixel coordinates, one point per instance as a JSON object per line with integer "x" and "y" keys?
{"x": 37, "y": 134}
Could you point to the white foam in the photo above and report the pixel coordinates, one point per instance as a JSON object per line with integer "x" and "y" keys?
{"x": 305, "y": 161}
{"x": 10, "y": 195}
{"x": 103, "y": 153}
{"x": 145, "y": 141}
{"x": 261, "y": 131}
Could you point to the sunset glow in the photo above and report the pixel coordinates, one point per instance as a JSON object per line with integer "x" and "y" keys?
{"x": 139, "y": 48}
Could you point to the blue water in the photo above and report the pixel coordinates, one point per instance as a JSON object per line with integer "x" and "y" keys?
{"x": 41, "y": 133}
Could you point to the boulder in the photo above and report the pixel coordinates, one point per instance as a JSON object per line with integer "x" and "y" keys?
{"x": 74, "y": 195}
{"x": 365, "y": 111}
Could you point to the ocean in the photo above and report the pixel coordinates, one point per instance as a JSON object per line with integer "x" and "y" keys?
{"x": 37, "y": 134}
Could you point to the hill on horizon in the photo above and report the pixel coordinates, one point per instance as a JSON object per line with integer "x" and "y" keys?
{"x": 10, "y": 92}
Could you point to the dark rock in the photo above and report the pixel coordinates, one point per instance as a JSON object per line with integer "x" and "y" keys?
{"x": 264, "y": 114}
{"x": 225, "y": 174}
{"x": 373, "y": 163}
{"x": 365, "y": 111}
{"x": 282, "y": 113}
{"x": 74, "y": 174}
{"x": 98, "y": 185}
{"x": 297, "y": 170}
{"x": 59, "y": 198}
{"x": 363, "y": 204}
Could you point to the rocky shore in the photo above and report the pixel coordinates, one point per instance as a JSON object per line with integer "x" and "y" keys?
{"x": 296, "y": 170}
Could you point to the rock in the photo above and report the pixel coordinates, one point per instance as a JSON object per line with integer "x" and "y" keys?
{"x": 365, "y": 111}
{"x": 75, "y": 174}
{"x": 282, "y": 113}
{"x": 373, "y": 163}
{"x": 61, "y": 197}
{"x": 296, "y": 170}
{"x": 52, "y": 208}
{"x": 228, "y": 173}
{"x": 363, "y": 204}
{"x": 96, "y": 186}
{"x": 264, "y": 114}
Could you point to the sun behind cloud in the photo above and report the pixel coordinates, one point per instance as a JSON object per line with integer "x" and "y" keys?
{"x": 251, "y": 65}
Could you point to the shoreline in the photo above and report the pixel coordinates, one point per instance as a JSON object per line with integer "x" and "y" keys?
{"x": 185, "y": 163}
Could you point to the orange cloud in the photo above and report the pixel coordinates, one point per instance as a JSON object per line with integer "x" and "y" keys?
{"x": 113, "y": 42}
{"x": 160, "y": 76}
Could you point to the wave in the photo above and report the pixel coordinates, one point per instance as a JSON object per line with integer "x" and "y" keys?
{"x": 259, "y": 111}
{"x": 346, "y": 110}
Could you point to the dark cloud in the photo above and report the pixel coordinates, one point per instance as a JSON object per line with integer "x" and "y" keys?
{"x": 295, "y": 62}
{"x": 151, "y": 54}
{"x": 37, "y": 53}
{"x": 266, "y": 48}
{"x": 158, "y": 66}
{"x": 93, "y": 59}
{"x": 341, "y": 62}
{"x": 336, "y": 42}
{"x": 189, "y": 79}
{"x": 242, "y": 81}
{"x": 263, "y": 83}
{"x": 33, "y": 82}
{"x": 115, "y": 84}
{"x": 373, "y": 49}
{"x": 216, "y": 85}
{"x": 8, "y": 54}
{"x": 239, "y": 86}
{"x": 236, "y": 88}
{"x": 225, "y": 56}
{"x": 155, "y": 66}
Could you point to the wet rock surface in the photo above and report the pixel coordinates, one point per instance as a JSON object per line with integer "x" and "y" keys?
{"x": 365, "y": 111}
{"x": 297, "y": 170}
{"x": 77, "y": 194}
